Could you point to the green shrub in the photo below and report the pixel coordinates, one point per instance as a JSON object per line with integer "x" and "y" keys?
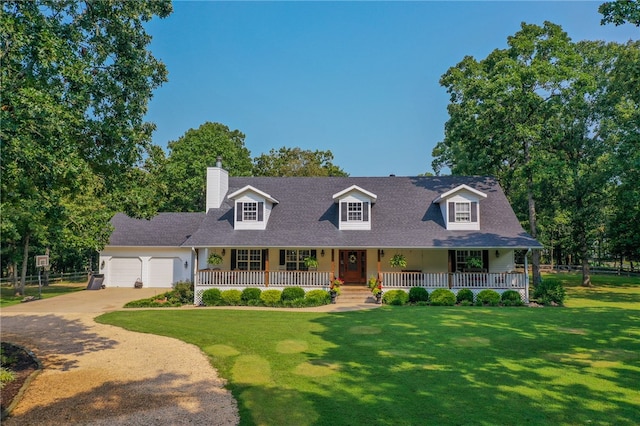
{"x": 6, "y": 376}
{"x": 317, "y": 298}
{"x": 395, "y": 297}
{"x": 549, "y": 291}
{"x": 418, "y": 294}
{"x": 250, "y": 294}
{"x": 212, "y": 297}
{"x": 292, "y": 293}
{"x": 464, "y": 295}
{"x": 231, "y": 297}
{"x": 270, "y": 297}
{"x": 511, "y": 298}
{"x": 488, "y": 297}
{"x": 294, "y": 303}
{"x": 442, "y": 297}
{"x": 164, "y": 300}
{"x": 182, "y": 293}
{"x": 466, "y": 303}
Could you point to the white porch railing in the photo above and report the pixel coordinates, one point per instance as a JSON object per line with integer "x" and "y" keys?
{"x": 506, "y": 280}
{"x": 263, "y": 278}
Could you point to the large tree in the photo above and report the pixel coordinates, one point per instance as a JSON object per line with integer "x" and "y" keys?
{"x": 620, "y": 12}
{"x": 296, "y": 162}
{"x": 184, "y": 172}
{"x": 501, "y": 113}
{"x": 76, "y": 80}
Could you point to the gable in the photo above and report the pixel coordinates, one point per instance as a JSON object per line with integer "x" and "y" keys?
{"x": 460, "y": 208}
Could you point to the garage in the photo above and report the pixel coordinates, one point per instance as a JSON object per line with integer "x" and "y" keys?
{"x": 124, "y": 271}
{"x": 164, "y": 271}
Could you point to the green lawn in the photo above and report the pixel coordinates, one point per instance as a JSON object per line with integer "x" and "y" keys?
{"x": 8, "y": 297}
{"x": 425, "y": 365}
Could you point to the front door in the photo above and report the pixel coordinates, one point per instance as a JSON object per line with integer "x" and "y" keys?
{"x": 353, "y": 266}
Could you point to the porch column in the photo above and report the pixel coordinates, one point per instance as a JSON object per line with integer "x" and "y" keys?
{"x": 526, "y": 277}
{"x": 333, "y": 265}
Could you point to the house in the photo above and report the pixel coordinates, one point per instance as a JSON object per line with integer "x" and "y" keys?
{"x": 262, "y": 229}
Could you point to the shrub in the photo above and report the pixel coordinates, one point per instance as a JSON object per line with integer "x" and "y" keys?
{"x": 488, "y": 297}
{"x": 294, "y": 303}
{"x": 270, "y": 297}
{"x": 6, "y": 376}
{"x": 182, "y": 292}
{"x": 164, "y": 300}
{"x": 317, "y": 298}
{"x": 231, "y": 297}
{"x": 464, "y": 295}
{"x": 292, "y": 293}
{"x": 418, "y": 294}
{"x": 442, "y": 297}
{"x": 211, "y": 297}
{"x": 511, "y": 298}
{"x": 250, "y": 294}
{"x": 550, "y": 290}
{"x": 395, "y": 297}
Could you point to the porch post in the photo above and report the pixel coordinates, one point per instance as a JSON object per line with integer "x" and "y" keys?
{"x": 266, "y": 269}
{"x": 526, "y": 277}
{"x": 333, "y": 265}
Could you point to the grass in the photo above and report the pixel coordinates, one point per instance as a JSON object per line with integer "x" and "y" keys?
{"x": 425, "y": 365}
{"x": 8, "y": 297}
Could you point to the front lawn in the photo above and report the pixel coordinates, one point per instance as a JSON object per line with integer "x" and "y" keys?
{"x": 8, "y": 297}
{"x": 424, "y": 365}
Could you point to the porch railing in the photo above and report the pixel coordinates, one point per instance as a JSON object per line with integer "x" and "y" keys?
{"x": 263, "y": 278}
{"x": 506, "y": 280}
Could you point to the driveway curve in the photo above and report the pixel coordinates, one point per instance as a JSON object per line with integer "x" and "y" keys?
{"x": 97, "y": 374}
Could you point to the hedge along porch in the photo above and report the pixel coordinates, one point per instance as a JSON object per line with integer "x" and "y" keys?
{"x": 428, "y": 268}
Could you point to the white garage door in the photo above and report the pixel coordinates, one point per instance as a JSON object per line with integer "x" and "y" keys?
{"x": 163, "y": 271}
{"x": 124, "y": 271}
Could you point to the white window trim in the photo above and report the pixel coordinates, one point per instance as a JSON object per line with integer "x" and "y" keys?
{"x": 460, "y": 213}
{"x": 250, "y": 214}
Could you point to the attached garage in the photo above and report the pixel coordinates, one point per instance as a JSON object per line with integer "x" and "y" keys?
{"x": 164, "y": 271}
{"x": 124, "y": 271}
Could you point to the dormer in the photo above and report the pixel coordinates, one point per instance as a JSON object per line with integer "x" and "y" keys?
{"x": 354, "y": 208}
{"x": 252, "y": 208}
{"x": 460, "y": 208}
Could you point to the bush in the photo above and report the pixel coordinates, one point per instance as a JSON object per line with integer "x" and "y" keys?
{"x": 164, "y": 300}
{"x": 294, "y": 303}
{"x": 317, "y": 298}
{"x": 270, "y": 297}
{"x": 292, "y": 293}
{"x": 464, "y": 295}
{"x": 6, "y": 376}
{"x": 549, "y": 291}
{"x": 488, "y": 297}
{"x": 442, "y": 297}
{"x": 182, "y": 293}
{"x": 251, "y": 294}
{"x": 511, "y": 298}
{"x": 418, "y": 294}
{"x": 211, "y": 297}
{"x": 395, "y": 297}
{"x": 231, "y": 297}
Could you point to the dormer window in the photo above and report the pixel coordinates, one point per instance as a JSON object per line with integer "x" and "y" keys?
{"x": 354, "y": 207}
{"x": 462, "y": 212}
{"x": 249, "y": 211}
{"x": 252, "y": 208}
{"x": 354, "y": 211}
{"x": 460, "y": 208}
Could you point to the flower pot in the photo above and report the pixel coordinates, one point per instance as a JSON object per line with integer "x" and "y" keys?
{"x": 333, "y": 295}
{"x": 379, "y": 298}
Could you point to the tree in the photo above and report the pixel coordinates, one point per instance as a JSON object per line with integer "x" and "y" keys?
{"x": 76, "y": 80}
{"x": 184, "y": 173}
{"x": 501, "y": 109}
{"x": 296, "y": 162}
{"x": 620, "y": 12}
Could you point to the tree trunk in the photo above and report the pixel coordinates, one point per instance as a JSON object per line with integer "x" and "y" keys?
{"x": 535, "y": 254}
{"x": 25, "y": 260}
{"x": 586, "y": 275}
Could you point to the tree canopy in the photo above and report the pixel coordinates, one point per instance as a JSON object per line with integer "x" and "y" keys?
{"x": 76, "y": 80}
{"x": 620, "y": 12}
{"x": 296, "y": 162}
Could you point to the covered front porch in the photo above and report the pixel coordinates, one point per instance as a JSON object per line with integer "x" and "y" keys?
{"x": 428, "y": 268}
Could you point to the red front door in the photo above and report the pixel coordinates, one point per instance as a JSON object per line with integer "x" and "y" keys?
{"x": 353, "y": 266}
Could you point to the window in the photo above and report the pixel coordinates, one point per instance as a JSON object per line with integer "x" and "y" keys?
{"x": 249, "y": 260}
{"x": 294, "y": 259}
{"x": 250, "y": 212}
{"x": 463, "y": 212}
{"x": 463, "y": 255}
{"x": 354, "y": 212}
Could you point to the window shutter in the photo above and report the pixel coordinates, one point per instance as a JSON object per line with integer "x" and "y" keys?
{"x": 260, "y": 211}
{"x": 265, "y": 257}
{"x": 343, "y": 212}
{"x": 485, "y": 260}
{"x": 474, "y": 211}
{"x": 452, "y": 261}
{"x": 365, "y": 212}
{"x": 452, "y": 212}
{"x": 239, "y": 212}
{"x": 282, "y": 258}
{"x": 314, "y": 254}
{"x": 233, "y": 259}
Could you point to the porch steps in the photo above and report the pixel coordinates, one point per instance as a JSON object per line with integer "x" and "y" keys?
{"x": 355, "y": 294}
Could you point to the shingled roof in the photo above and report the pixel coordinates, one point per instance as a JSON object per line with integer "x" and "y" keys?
{"x": 404, "y": 215}
{"x": 163, "y": 230}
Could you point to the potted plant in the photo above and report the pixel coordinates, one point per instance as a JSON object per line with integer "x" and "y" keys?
{"x": 334, "y": 289}
{"x": 376, "y": 289}
{"x": 398, "y": 261}
{"x": 214, "y": 259}
{"x": 474, "y": 264}
{"x": 311, "y": 263}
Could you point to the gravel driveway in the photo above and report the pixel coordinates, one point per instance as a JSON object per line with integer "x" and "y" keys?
{"x": 98, "y": 374}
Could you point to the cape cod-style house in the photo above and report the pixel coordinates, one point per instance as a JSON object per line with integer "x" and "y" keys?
{"x": 263, "y": 228}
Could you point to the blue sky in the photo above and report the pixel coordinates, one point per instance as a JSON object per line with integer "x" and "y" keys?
{"x": 360, "y": 79}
